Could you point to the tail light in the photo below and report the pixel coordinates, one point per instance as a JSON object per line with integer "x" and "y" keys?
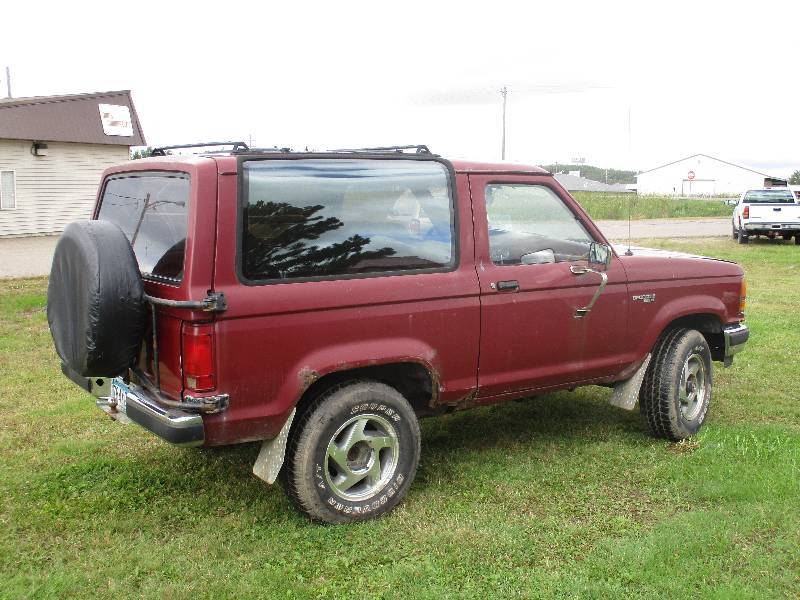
{"x": 198, "y": 357}
{"x": 746, "y": 212}
{"x": 743, "y": 297}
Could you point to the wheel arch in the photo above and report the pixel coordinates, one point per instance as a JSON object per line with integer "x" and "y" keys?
{"x": 709, "y": 324}
{"x": 416, "y": 380}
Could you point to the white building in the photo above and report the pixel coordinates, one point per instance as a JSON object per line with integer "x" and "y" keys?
{"x": 702, "y": 175}
{"x": 53, "y": 150}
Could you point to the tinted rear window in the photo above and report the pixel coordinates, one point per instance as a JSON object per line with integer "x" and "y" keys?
{"x": 151, "y": 208}
{"x": 340, "y": 217}
{"x": 769, "y": 196}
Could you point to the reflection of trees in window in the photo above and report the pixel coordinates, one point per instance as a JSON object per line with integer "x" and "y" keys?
{"x": 277, "y": 245}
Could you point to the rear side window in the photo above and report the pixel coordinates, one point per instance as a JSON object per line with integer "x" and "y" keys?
{"x": 344, "y": 217}
{"x": 784, "y": 195}
{"x": 151, "y": 208}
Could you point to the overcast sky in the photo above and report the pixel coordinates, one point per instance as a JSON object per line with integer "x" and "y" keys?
{"x": 718, "y": 78}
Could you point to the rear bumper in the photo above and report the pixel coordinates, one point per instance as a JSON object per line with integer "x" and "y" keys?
{"x": 772, "y": 227}
{"x": 736, "y": 337}
{"x": 179, "y": 427}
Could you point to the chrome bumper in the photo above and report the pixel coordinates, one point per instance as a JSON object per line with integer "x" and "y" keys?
{"x": 736, "y": 337}
{"x": 179, "y": 427}
{"x": 772, "y": 226}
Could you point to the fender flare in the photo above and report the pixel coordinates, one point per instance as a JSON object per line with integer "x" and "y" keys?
{"x": 675, "y": 309}
{"x": 345, "y": 357}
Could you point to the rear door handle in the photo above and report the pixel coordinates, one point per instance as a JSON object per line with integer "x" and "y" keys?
{"x": 510, "y": 285}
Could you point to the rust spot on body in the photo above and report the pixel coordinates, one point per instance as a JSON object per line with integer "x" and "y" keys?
{"x": 466, "y": 401}
{"x": 307, "y": 376}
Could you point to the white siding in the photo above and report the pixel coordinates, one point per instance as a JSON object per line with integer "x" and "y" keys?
{"x": 55, "y": 189}
{"x": 711, "y": 177}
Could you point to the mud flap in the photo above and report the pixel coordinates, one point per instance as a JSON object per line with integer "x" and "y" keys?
{"x": 626, "y": 393}
{"x": 270, "y": 458}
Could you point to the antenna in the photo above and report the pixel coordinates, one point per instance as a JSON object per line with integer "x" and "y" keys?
{"x": 8, "y": 81}
{"x": 630, "y": 154}
{"x": 628, "y": 251}
{"x": 504, "y": 93}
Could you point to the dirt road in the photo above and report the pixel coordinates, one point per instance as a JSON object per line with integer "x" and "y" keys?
{"x": 26, "y": 256}
{"x": 31, "y": 256}
{"x": 666, "y": 228}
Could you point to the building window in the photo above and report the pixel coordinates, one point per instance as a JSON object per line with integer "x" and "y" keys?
{"x": 8, "y": 190}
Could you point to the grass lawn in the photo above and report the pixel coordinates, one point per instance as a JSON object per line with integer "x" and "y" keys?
{"x": 558, "y": 496}
{"x": 615, "y": 206}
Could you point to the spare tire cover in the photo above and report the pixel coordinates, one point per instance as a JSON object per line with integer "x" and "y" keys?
{"x": 95, "y": 300}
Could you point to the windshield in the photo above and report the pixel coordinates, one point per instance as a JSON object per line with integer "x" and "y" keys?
{"x": 151, "y": 209}
{"x": 783, "y": 195}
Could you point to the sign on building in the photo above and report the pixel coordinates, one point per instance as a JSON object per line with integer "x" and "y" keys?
{"x": 116, "y": 120}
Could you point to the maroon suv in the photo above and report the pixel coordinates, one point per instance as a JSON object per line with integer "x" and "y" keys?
{"x": 322, "y": 302}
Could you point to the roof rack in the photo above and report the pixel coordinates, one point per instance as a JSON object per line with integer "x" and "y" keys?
{"x": 236, "y": 147}
{"x": 417, "y": 148}
{"x": 242, "y": 148}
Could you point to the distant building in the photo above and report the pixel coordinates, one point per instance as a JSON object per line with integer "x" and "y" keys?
{"x": 573, "y": 182}
{"x": 702, "y": 175}
{"x": 52, "y": 152}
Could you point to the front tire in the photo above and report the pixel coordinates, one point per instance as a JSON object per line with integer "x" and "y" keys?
{"x": 676, "y": 391}
{"x": 353, "y": 454}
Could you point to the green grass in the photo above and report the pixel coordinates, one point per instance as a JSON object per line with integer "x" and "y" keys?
{"x": 615, "y": 206}
{"x": 560, "y": 496}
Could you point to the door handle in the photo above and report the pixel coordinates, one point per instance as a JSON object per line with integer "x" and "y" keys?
{"x": 582, "y": 312}
{"x": 510, "y": 285}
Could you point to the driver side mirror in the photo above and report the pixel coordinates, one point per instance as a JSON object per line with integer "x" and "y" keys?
{"x": 599, "y": 255}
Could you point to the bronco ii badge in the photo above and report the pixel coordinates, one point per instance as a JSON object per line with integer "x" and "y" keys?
{"x": 646, "y": 298}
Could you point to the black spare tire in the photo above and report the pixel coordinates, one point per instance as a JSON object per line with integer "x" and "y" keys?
{"x": 95, "y": 300}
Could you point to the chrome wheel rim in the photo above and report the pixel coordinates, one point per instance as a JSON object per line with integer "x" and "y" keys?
{"x": 692, "y": 389}
{"x": 361, "y": 457}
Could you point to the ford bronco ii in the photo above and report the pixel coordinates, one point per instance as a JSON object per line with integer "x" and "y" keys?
{"x": 322, "y": 302}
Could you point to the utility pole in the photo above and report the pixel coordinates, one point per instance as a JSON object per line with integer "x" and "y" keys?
{"x": 504, "y": 93}
{"x": 8, "y": 81}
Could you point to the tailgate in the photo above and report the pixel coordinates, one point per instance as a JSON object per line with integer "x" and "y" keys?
{"x": 775, "y": 213}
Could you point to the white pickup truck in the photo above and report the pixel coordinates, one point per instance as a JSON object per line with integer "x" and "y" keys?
{"x": 772, "y": 212}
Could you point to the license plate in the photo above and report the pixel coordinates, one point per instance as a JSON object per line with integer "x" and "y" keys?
{"x": 119, "y": 394}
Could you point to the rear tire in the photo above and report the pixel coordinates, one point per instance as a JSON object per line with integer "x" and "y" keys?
{"x": 735, "y": 234}
{"x": 743, "y": 239}
{"x": 676, "y": 391}
{"x": 353, "y": 454}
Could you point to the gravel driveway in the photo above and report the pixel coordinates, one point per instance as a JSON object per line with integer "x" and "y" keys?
{"x": 31, "y": 256}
